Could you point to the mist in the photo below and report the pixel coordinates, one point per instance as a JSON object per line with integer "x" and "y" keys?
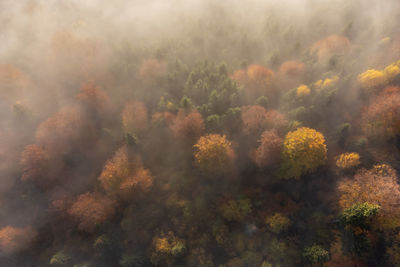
{"x": 199, "y": 133}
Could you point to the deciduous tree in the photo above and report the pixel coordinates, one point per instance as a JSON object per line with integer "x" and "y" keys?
{"x": 214, "y": 154}
{"x": 304, "y": 150}
{"x": 91, "y": 209}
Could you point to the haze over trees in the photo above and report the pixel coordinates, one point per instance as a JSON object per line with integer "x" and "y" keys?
{"x": 199, "y": 133}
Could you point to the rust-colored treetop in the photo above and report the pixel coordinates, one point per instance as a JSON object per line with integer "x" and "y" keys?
{"x": 67, "y": 129}
{"x": 124, "y": 173}
{"x": 188, "y": 125}
{"x": 292, "y": 68}
{"x": 253, "y": 119}
{"x": 256, "y": 79}
{"x": 269, "y": 150}
{"x": 91, "y": 209}
{"x": 15, "y": 239}
{"x": 331, "y": 45}
{"x": 91, "y": 96}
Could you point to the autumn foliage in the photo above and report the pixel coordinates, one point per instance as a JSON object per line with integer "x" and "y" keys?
{"x": 166, "y": 247}
{"x": 375, "y": 186}
{"x": 375, "y": 78}
{"x": 348, "y": 160}
{"x": 66, "y": 130}
{"x": 188, "y": 125}
{"x": 292, "y": 69}
{"x": 35, "y": 162}
{"x": 253, "y": 119}
{"x": 16, "y": 239}
{"x": 269, "y": 151}
{"x": 304, "y": 150}
{"x": 13, "y": 81}
{"x": 214, "y": 154}
{"x": 256, "y": 79}
{"x": 372, "y": 78}
{"x": 124, "y": 174}
{"x": 275, "y": 120}
{"x": 92, "y": 97}
{"x": 90, "y": 210}
{"x": 381, "y": 119}
{"x": 330, "y": 45}
{"x": 135, "y": 117}
{"x": 152, "y": 69}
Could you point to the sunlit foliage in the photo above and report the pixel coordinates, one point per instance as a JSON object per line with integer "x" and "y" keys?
{"x": 124, "y": 174}
{"x": 372, "y": 78}
{"x": 166, "y": 248}
{"x": 326, "y": 83}
{"x": 303, "y": 90}
{"x": 304, "y": 150}
{"x": 175, "y": 133}
{"x": 377, "y": 78}
{"x": 391, "y": 71}
{"x": 359, "y": 215}
{"x": 348, "y": 160}
{"x": 90, "y": 210}
{"x": 214, "y": 154}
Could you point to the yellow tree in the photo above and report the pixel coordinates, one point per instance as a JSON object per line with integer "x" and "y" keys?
{"x": 167, "y": 247}
{"x": 214, "y": 154}
{"x": 304, "y": 150}
{"x": 348, "y": 160}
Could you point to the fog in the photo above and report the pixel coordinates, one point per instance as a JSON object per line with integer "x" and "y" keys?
{"x": 199, "y": 132}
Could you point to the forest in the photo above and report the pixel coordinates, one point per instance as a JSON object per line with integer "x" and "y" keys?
{"x": 205, "y": 133}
